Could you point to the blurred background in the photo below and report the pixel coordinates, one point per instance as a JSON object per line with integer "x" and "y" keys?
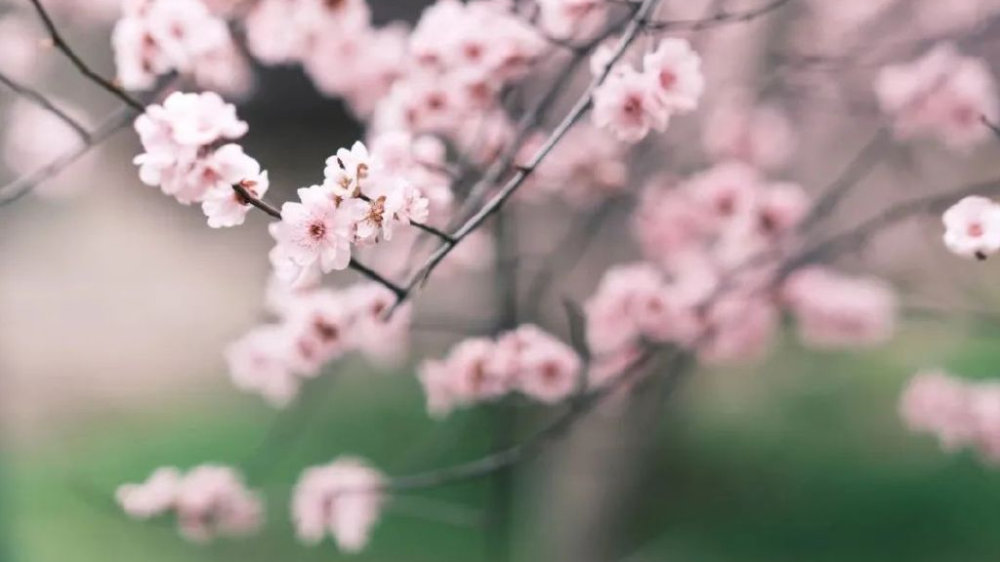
{"x": 115, "y": 304}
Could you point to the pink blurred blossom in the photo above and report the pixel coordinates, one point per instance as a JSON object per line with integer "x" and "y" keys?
{"x": 343, "y": 499}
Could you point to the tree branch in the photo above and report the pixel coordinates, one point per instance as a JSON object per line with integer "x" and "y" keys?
{"x": 60, "y": 43}
{"x": 40, "y": 100}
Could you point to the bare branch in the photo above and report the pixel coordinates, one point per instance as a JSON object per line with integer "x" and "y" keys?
{"x": 40, "y": 100}
{"x": 60, "y": 43}
{"x": 20, "y": 187}
{"x": 852, "y": 239}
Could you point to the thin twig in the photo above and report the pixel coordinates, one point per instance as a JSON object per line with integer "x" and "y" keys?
{"x": 40, "y": 100}
{"x": 60, "y": 43}
{"x": 859, "y": 167}
{"x": 20, "y": 187}
{"x": 850, "y": 240}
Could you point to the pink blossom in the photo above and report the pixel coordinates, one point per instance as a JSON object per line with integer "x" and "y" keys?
{"x": 482, "y": 369}
{"x": 835, "y": 311}
{"x": 259, "y": 363}
{"x": 316, "y": 230}
{"x": 209, "y": 501}
{"x": 213, "y": 500}
{"x": 155, "y": 496}
{"x": 943, "y": 94}
{"x": 935, "y": 402}
{"x": 629, "y": 104}
{"x": 727, "y": 191}
{"x": 972, "y": 227}
{"x": 548, "y": 370}
{"x": 155, "y": 37}
{"x": 222, "y": 204}
{"x": 178, "y": 137}
{"x": 676, "y": 68}
{"x": 738, "y": 328}
{"x": 343, "y": 498}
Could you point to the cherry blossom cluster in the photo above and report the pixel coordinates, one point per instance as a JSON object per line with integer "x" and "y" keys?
{"x": 631, "y": 102}
{"x": 460, "y": 55}
{"x": 528, "y": 360}
{"x": 359, "y": 203}
{"x": 972, "y": 227}
{"x": 208, "y": 501}
{"x": 336, "y": 44}
{"x": 316, "y": 326}
{"x": 187, "y": 154}
{"x": 959, "y": 413}
{"x": 713, "y": 282}
{"x": 156, "y": 37}
{"x": 942, "y": 94}
{"x": 343, "y": 499}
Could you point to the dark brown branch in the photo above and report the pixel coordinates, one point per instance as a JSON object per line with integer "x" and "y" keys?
{"x": 720, "y": 18}
{"x": 60, "y": 43}
{"x": 40, "y": 100}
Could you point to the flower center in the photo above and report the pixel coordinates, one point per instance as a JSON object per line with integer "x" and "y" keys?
{"x": 317, "y": 230}
{"x": 975, "y": 230}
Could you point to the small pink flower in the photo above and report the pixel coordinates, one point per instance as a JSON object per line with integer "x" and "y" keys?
{"x": 315, "y": 231}
{"x": 548, "y": 370}
{"x": 936, "y": 402}
{"x": 629, "y": 104}
{"x": 676, "y": 68}
{"x": 343, "y": 498}
{"x": 836, "y": 311}
{"x": 155, "y": 496}
{"x": 213, "y": 500}
{"x": 223, "y": 206}
{"x": 941, "y": 94}
{"x": 972, "y": 227}
{"x": 260, "y": 362}
{"x": 209, "y": 501}
{"x": 739, "y": 328}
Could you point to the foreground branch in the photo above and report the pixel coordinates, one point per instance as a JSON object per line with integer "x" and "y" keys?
{"x": 60, "y": 43}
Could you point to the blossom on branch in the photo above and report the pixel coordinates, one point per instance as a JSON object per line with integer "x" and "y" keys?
{"x": 972, "y": 227}
{"x": 208, "y": 501}
{"x": 316, "y": 326}
{"x": 942, "y": 94}
{"x": 527, "y": 359}
{"x": 155, "y": 37}
{"x": 630, "y": 102}
{"x": 343, "y": 499}
{"x": 959, "y": 413}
